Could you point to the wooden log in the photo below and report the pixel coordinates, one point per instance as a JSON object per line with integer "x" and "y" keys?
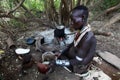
{"x": 110, "y": 58}
{"x": 108, "y": 11}
{"x": 111, "y": 71}
{"x": 10, "y": 43}
{"x": 111, "y": 9}
{"x": 102, "y": 33}
{"x": 114, "y": 19}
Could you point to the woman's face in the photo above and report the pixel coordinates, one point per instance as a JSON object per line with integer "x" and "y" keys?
{"x": 77, "y": 19}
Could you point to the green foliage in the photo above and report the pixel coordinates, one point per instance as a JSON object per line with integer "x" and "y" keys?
{"x": 38, "y": 6}
{"x": 109, "y": 3}
{"x": 57, "y": 4}
{"x": 4, "y": 5}
{"x": 105, "y": 4}
{"x": 16, "y": 24}
{"x": 7, "y": 4}
{"x": 10, "y": 2}
{"x": 34, "y": 5}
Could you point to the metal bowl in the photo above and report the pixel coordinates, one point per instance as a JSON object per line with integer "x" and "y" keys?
{"x": 30, "y": 41}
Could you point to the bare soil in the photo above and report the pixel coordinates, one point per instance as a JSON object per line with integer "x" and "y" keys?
{"x": 10, "y": 64}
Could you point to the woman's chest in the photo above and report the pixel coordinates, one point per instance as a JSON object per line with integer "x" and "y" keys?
{"x": 76, "y": 51}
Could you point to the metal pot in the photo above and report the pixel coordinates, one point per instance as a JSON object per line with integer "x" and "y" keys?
{"x": 59, "y": 32}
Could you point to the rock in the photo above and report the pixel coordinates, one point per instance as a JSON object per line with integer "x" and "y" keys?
{"x": 110, "y": 58}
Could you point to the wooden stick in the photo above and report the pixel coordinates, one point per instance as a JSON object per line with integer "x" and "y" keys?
{"x": 10, "y": 43}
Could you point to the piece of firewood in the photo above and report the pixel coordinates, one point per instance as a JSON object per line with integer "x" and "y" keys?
{"x": 102, "y": 33}
{"x": 114, "y": 19}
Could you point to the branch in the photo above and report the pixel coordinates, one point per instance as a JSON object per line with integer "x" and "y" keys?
{"x": 23, "y": 20}
{"x": 108, "y": 10}
{"x": 42, "y": 21}
{"x": 22, "y": 5}
{"x": 2, "y": 26}
{"x": 112, "y": 8}
{"x": 78, "y": 2}
{"x": 11, "y": 11}
{"x": 102, "y": 33}
{"x": 6, "y": 31}
{"x": 8, "y": 14}
{"x": 114, "y": 19}
{"x": 96, "y": 4}
{"x": 3, "y": 15}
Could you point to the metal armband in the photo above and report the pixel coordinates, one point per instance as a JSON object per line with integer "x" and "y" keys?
{"x": 78, "y": 58}
{"x": 62, "y": 62}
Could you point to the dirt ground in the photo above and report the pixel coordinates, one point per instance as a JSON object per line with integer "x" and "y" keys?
{"x": 10, "y": 64}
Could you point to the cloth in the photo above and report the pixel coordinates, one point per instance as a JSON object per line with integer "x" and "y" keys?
{"x": 82, "y": 33}
{"x": 78, "y": 69}
{"x": 94, "y": 73}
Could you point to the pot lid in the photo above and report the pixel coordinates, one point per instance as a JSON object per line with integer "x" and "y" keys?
{"x": 60, "y": 27}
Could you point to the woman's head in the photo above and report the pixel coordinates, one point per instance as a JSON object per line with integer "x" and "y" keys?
{"x": 79, "y": 16}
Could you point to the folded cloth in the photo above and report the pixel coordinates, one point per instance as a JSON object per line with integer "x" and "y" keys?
{"x": 22, "y": 51}
{"x": 77, "y": 69}
{"x": 82, "y": 33}
{"x": 83, "y": 75}
{"x": 48, "y": 56}
{"x": 80, "y": 75}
